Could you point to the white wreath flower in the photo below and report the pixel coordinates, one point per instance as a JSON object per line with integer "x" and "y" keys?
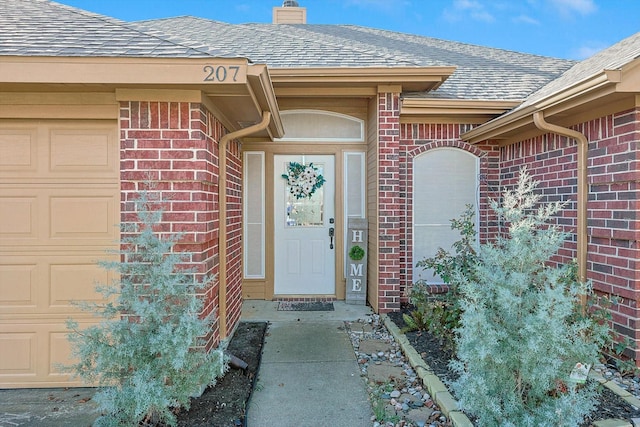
{"x": 303, "y": 180}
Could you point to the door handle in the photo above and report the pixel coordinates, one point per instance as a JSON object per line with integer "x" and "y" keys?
{"x": 331, "y": 233}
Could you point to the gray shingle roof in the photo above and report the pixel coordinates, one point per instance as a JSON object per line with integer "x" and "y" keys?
{"x": 46, "y": 28}
{"x": 612, "y": 58}
{"x": 482, "y": 72}
{"x": 43, "y": 28}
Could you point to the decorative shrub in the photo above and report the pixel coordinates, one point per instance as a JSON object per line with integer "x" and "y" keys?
{"x": 440, "y": 313}
{"x": 520, "y": 337}
{"x": 146, "y": 354}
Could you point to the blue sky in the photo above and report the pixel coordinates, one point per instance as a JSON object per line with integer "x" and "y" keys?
{"x": 573, "y": 29}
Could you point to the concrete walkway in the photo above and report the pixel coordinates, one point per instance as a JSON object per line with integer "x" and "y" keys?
{"x": 309, "y": 376}
{"x": 50, "y": 407}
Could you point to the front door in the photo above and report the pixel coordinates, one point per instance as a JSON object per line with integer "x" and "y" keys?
{"x": 304, "y": 230}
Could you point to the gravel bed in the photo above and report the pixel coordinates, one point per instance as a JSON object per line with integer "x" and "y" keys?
{"x": 403, "y": 399}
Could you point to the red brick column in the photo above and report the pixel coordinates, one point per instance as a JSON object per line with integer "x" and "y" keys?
{"x": 388, "y": 202}
{"x": 172, "y": 146}
{"x": 234, "y": 235}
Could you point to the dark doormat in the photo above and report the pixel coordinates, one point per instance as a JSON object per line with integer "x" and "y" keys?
{"x": 305, "y": 306}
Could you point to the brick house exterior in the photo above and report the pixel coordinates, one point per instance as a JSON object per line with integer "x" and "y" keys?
{"x": 595, "y": 104}
{"x": 175, "y": 146}
{"x": 612, "y": 260}
{"x": 211, "y": 118}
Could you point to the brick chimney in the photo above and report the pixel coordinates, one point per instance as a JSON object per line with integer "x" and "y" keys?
{"x": 290, "y": 13}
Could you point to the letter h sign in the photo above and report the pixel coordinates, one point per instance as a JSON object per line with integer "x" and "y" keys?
{"x": 356, "y": 292}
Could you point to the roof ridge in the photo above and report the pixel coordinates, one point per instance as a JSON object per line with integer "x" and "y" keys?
{"x": 461, "y": 43}
{"x": 125, "y": 24}
{"x": 265, "y": 28}
{"x": 183, "y": 40}
{"x": 340, "y": 45}
{"x": 170, "y": 18}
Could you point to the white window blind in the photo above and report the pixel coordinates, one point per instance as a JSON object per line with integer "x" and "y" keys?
{"x": 254, "y": 223}
{"x": 444, "y": 182}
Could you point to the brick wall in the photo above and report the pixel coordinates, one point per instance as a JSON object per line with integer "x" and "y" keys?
{"x": 174, "y": 146}
{"x": 388, "y": 202}
{"x": 416, "y": 139}
{"x": 552, "y": 160}
{"x": 234, "y": 235}
{"x": 612, "y": 208}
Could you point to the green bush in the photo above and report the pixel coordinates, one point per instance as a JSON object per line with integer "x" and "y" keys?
{"x": 519, "y": 337}
{"x": 146, "y": 354}
{"x": 440, "y": 313}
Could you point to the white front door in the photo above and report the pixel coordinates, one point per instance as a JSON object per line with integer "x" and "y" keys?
{"x": 304, "y": 250}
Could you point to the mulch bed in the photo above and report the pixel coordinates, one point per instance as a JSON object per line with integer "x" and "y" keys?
{"x": 225, "y": 404}
{"x": 429, "y": 347}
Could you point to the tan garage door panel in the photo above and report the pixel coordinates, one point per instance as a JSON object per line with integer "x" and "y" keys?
{"x": 34, "y": 354}
{"x": 68, "y": 278}
{"x": 75, "y": 215}
{"x": 59, "y": 214}
{"x": 46, "y": 150}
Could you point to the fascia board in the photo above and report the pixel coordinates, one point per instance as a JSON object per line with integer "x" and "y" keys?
{"x": 426, "y": 106}
{"x": 159, "y": 72}
{"x": 559, "y": 102}
{"x": 410, "y": 78}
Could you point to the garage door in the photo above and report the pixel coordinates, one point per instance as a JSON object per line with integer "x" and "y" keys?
{"x": 59, "y": 210}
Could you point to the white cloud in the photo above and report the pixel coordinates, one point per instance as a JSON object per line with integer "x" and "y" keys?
{"x": 465, "y": 9}
{"x": 586, "y": 51}
{"x": 583, "y": 7}
{"x": 525, "y": 19}
{"x": 384, "y": 5}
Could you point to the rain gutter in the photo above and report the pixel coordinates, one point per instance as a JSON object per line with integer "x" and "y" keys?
{"x": 222, "y": 203}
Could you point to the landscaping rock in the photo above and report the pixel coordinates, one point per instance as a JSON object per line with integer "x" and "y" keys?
{"x": 391, "y": 379}
{"x": 419, "y": 416}
{"x": 385, "y": 372}
{"x": 376, "y": 347}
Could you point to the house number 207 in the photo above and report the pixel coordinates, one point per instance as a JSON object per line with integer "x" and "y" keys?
{"x": 220, "y": 73}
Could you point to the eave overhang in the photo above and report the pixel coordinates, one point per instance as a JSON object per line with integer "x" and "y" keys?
{"x": 355, "y": 81}
{"x": 236, "y": 91}
{"x": 592, "y": 97}
{"x": 427, "y": 110}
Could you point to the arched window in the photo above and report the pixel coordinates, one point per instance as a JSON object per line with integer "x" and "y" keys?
{"x": 321, "y": 126}
{"x": 444, "y": 182}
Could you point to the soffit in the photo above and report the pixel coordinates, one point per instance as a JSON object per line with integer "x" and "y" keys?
{"x": 355, "y": 81}
{"x": 605, "y": 83}
{"x": 237, "y": 92}
{"x": 598, "y": 95}
{"x": 429, "y": 110}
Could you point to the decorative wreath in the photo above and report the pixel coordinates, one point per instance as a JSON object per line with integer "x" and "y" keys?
{"x": 356, "y": 253}
{"x": 303, "y": 180}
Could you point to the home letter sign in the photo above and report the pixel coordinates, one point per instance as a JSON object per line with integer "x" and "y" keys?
{"x": 356, "y": 292}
